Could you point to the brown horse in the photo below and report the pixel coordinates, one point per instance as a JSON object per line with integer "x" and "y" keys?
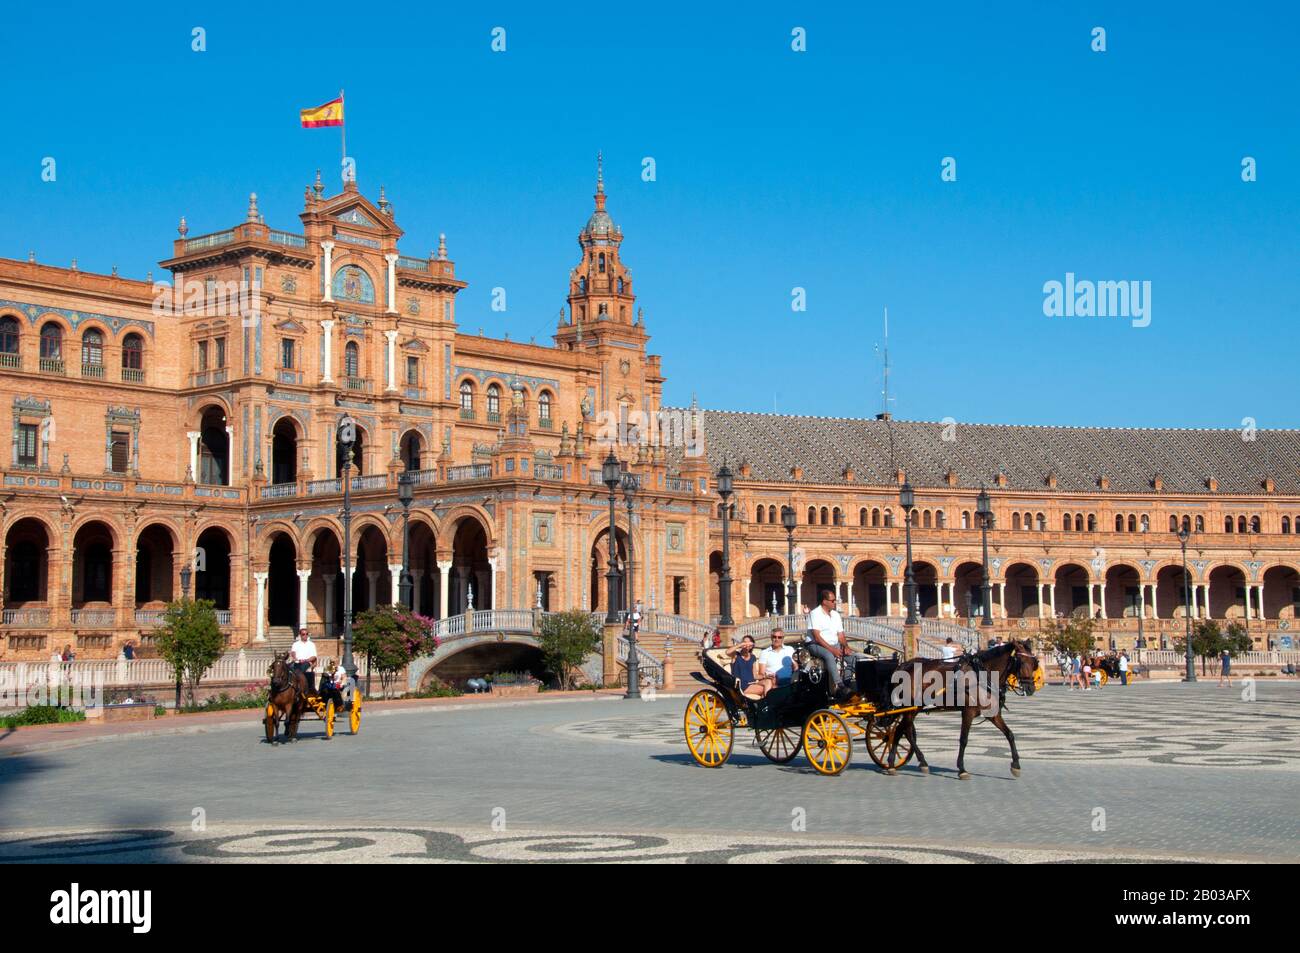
{"x": 288, "y": 694}
{"x": 992, "y": 667}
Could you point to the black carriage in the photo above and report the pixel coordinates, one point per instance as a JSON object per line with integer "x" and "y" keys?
{"x": 800, "y": 715}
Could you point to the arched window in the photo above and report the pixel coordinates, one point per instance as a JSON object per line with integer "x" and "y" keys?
{"x": 889, "y": 517}
{"x": 925, "y": 519}
{"x": 92, "y": 347}
{"x": 759, "y": 514}
{"x": 1092, "y": 522}
{"x": 1015, "y": 521}
{"x": 620, "y": 286}
{"x": 825, "y": 516}
{"x": 1029, "y": 521}
{"x": 965, "y": 519}
{"x": 1200, "y": 524}
{"x": 1241, "y": 524}
{"x": 1078, "y": 522}
{"x": 837, "y": 517}
{"x": 1173, "y": 524}
{"x": 940, "y": 520}
{"x": 1119, "y": 523}
{"x": 52, "y": 342}
{"x": 133, "y": 353}
{"x": 1254, "y": 524}
{"x": 544, "y": 406}
{"x": 1041, "y": 522}
{"x": 1187, "y": 523}
{"x": 601, "y": 263}
{"x": 466, "y": 397}
{"x": 582, "y": 289}
{"x": 352, "y": 360}
{"x": 862, "y": 516}
{"x": 812, "y": 516}
{"x": 8, "y": 336}
{"x": 1146, "y": 523}
{"x": 493, "y": 402}
{"x": 1286, "y": 524}
{"x": 771, "y": 514}
{"x": 1067, "y": 523}
{"x": 1132, "y": 523}
{"x": 1227, "y": 524}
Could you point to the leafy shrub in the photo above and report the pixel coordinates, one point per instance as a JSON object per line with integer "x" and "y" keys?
{"x": 42, "y": 715}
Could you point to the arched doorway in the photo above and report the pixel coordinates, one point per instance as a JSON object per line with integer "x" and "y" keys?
{"x": 1227, "y": 593}
{"x": 1123, "y": 592}
{"x": 284, "y": 451}
{"x": 324, "y": 588}
{"x": 1281, "y": 593}
{"x": 926, "y": 577}
{"x": 214, "y": 448}
{"x": 372, "y": 583}
{"x": 869, "y": 594}
{"x": 411, "y": 448}
{"x": 154, "y": 566}
{"x": 968, "y": 582}
{"x": 817, "y": 575}
{"x": 1071, "y": 590}
{"x": 27, "y": 557}
{"x": 92, "y": 565}
{"x": 282, "y": 583}
{"x": 766, "y": 588}
{"x": 426, "y": 577}
{"x": 600, "y": 566}
{"x": 1174, "y": 592}
{"x": 212, "y": 567}
{"x": 1021, "y": 595}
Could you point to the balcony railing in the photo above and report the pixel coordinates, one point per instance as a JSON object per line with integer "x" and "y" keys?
{"x": 467, "y": 413}
{"x": 680, "y": 485}
{"x": 13, "y": 362}
{"x": 214, "y": 240}
{"x": 548, "y": 471}
{"x": 413, "y": 264}
{"x": 150, "y": 617}
{"x": 494, "y": 416}
{"x": 92, "y": 370}
{"x": 546, "y": 423}
{"x": 132, "y": 375}
{"x": 357, "y": 383}
{"x": 26, "y": 618}
{"x": 377, "y": 481}
{"x": 286, "y": 238}
{"x": 475, "y": 471}
{"x": 51, "y": 365}
{"x": 421, "y": 477}
{"x": 99, "y": 618}
{"x": 279, "y": 490}
{"x": 319, "y": 487}
{"x": 224, "y": 618}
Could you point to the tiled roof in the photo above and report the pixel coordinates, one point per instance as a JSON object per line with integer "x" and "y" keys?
{"x": 773, "y": 444}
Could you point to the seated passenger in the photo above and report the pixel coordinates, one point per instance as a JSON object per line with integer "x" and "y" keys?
{"x": 332, "y": 683}
{"x": 746, "y": 669}
{"x": 777, "y": 661}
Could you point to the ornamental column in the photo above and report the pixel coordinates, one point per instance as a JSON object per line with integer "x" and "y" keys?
{"x": 194, "y": 454}
{"x": 328, "y": 274}
{"x": 372, "y": 576}
{"x": 327, "y": 371}
{"x": 394, "y": 585}
{"x": 1103, "y": 600}
{"x": 392, "y": 282}
{"x": 392, "y": 359}
{"x": 259, "y": 580}
{"x": 303, "y": 576}
{"x": 889, "y": 598}
{"x": 330, "y": 579}
{"x": 492, "y": 562}
{"x": 444, "y": 585}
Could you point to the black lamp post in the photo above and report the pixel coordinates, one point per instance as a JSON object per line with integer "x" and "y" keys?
{"x": 907, "y": 500}
{"x": 347, "y": 434}
{"x": 1183, "y": 535}
{"x": 405, "y": 493}
{"x": 788, "y": 521}
{"x": 985, "y": 513}
{"x": 630, "y": 487}
{"x": 611, "y": 476}
{"x": 186, "y": 574}
{"x": 724, "y": 582}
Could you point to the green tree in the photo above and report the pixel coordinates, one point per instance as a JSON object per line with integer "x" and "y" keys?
{"x": 1209, "y": 641}
{"x": 567, "y": 638}
{"x": 190, "y": 640}
{"x": 1071, "y": 634}
{"x": 391, "y": 637}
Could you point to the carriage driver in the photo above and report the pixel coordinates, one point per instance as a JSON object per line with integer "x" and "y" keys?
{"x": 829, "y": 644}
{"x": 303, "y": 656}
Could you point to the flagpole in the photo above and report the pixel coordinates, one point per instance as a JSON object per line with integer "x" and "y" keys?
{"x": 343, "y": 127}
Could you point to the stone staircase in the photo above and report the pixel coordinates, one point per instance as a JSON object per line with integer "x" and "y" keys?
{"x": 279, "y": 638}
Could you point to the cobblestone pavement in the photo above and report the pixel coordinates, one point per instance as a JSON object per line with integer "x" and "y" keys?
{"x": 1148, "y": 772}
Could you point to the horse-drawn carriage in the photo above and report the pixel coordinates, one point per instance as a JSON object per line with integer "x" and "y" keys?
{"x": 799, "y": 715}
{"x": 290, "y": 697}
{"x": 802, "y": 715}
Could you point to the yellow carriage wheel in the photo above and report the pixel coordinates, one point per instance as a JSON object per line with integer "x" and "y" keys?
{"x": 880, "y": 735}
{"x": 826, "y": 742}
{"x": 1039, "y": 679}
{"x": 708, "y": 728}
{"x": 269, "y": 720}
{"x": 1104, "y": 677}
{"x": 354, "y": 714}
{"x": 329, "y": 718}
{"x": 781, "y": 745}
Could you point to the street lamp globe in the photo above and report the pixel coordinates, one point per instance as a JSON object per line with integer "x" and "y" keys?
{"x": 610, "y": 472}
{"x": 405, "y": 491}
{"x": 724, "y": 483}
{"x": 982, "y": 506}
{"x": 787, "y": 518}
{"x": 906, "y": 496}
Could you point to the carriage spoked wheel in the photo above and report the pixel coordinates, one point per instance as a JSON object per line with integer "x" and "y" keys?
{"x": 354, "y": 713}
{"x": 708, "y": 728}
{"x": 781, "y": 745}
{"x": 880, "y": 735}
{"x": 826, "y": 742}
{"x": 1105, "y": 676}
{"x": 269, "y": 720}
{"x": 329, "y": 718}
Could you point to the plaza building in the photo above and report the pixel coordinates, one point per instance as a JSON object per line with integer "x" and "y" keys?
{"x": 193, "y": 422}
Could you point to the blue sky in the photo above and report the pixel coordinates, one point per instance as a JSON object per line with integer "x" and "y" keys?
{"x": 775, "y": 170}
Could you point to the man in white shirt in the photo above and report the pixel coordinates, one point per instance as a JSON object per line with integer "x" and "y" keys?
{"x": 829, "y": 644}
{"x": 778, "y": 660}
{"x": 1123, "y": 669}
{"x": 302, "y": 655}
{"x": 950, "y": 649}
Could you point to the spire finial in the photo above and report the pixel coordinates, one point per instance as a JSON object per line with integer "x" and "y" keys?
{"x": 600, "y": 172}
{"x": 318, "y": 188}
{"x": 183, "y": 228}
{"x": 442, "y": 246}
{"x": 252, "y": 206}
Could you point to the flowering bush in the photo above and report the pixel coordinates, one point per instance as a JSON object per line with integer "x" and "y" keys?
{"x": 391, "y": 637}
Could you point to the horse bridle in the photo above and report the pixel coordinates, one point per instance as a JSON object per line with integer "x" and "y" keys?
{"x": 1020, "y": 687}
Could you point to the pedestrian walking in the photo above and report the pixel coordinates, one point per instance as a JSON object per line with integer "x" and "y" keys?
{"x": 1225, "y": 667}
{"x": 1123, "y": 668}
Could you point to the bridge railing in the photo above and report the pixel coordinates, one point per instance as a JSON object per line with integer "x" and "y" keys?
{"x": 646, "y": 663}
{"x": 116, "y": 673}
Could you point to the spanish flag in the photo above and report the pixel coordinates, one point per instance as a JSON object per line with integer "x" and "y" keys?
{"x": 330, "y": 114}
